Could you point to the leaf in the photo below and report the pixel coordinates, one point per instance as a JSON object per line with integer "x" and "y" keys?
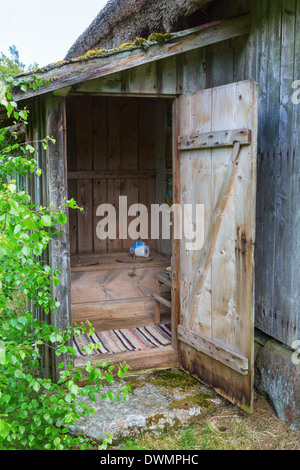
{"x": 68, "y": 398}
{"x": 4, "y": 429}
{"x": 26, "y": 250}
{"x": 45, "y": 220}
{"x": 36, "y": 387}
{"x": 62, "y": 218}
{"x": 17, "y": 229}
{"x": 55, "y": 281}
{"x": 12, "y": 187}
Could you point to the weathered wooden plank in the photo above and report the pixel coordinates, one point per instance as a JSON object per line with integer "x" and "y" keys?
{"x": 124, "y": 313}
{"x": 76, "y": 72}
{"x": 84, "y": 161}
{"x": 99, "y": 197}
{"x": 99, "y": 186}
{"x": 114, "y": 191}
{"x": 129, "y": 133}
{"x": 122, "y": 282}
{"x": 85, "y": 217}
{"x": 175, "y": 294}
{"x": 71, "y": 165}
{"x": 99, "y": 133}
{"x": 294, "y": 189}
{"x": 194, "y": 70}
{"x": 84, "y": 133}
{"x": 196, "y": 178}
{"x": 269, "y": 144}
{"x": 284, "y": 325}
{"x": 146, "y": 155}
{"x": 164, "y": 279}
{"x": 192, "y": 362}
{"x": 114, "y": 163}
{"x": 108, "y": 84}
{"x": 214, "y": 139}
{"x": 55, "y": 119}
{"x": 130, "y": 189}
{"x": 228, "y": 192}
{"x": 215, "y": 350}
{"x": 162, "y": 357}
{"x": 160, "y": 132}
{"x": 161, "y": 299}
{"x": 209, "y": 245}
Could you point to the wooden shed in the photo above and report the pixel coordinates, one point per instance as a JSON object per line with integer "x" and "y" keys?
{"x": 202, "y": 113}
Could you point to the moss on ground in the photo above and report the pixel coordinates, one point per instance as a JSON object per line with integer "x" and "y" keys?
{"x": 187, "y": 389}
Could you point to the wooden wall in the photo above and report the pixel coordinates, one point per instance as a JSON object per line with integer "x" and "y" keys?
{"x": 115, "y": 148}
{"x": 270, "y": 57}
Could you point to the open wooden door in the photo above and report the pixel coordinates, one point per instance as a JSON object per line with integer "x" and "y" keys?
{"x": 216, "y": 167}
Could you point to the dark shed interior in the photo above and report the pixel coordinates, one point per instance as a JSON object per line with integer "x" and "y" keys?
{"x": 118, "y": 146}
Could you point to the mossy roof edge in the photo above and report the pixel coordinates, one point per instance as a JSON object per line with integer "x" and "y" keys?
{"x": 138, "y": 43}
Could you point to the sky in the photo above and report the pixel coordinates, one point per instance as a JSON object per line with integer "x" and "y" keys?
{"x": 44, "y": 30}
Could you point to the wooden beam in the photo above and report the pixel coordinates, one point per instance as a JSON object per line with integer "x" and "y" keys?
{"x": 164, "y": 356}
{"x": 214, "y": 139}
{"x": 212, "y": 348}
{"x": 164, "y": 279}
{"x": 162, "y": 300}
{"x": 175, "y": 289}
{"x": 56, "y": 161}
{"x": 87, "y": 175}
{"x": 75, "y": 72}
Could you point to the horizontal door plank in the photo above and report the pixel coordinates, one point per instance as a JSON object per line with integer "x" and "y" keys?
{"x": 220, "y": 353}
{"x": 224, "y": 138}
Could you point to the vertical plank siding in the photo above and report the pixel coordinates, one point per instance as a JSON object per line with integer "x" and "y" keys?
{"x": 49, "y": 118}
{"x": 117, "y": 135}
{"x": 268, "y": 56}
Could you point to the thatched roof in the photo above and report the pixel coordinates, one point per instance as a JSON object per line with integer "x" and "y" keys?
{"x": 125, "y": 20}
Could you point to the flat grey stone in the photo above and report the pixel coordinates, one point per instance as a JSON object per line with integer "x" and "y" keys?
{"x": 149, "y": 407}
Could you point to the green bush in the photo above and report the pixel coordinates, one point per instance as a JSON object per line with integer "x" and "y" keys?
{"x": 35, "y": 413}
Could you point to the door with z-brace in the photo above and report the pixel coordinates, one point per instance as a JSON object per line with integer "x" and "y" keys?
{"x": 215, "y": 145}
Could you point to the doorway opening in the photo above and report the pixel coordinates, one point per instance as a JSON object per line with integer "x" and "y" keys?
{"x": 120, "y": 155}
